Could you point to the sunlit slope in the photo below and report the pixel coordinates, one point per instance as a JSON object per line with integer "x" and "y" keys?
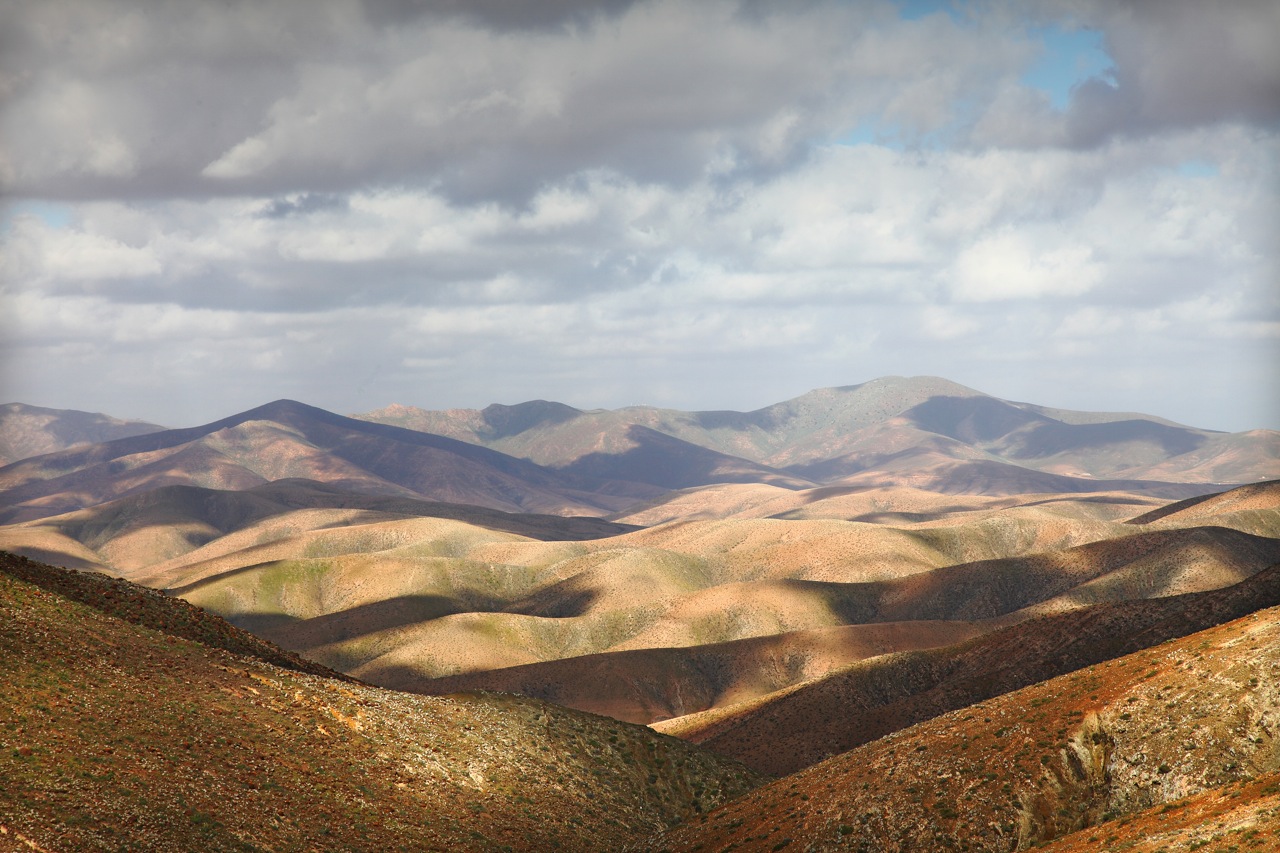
{"x": 804, "y": 724}
{"x": 413, "y": 588}
{"x": 879, "y": 504}
{"x": 141, "y": 534}
{"x": 1255, "y": 508}
{"x": 1240, "y": 816}
{"x": 1082, "y": 757}
{"x": 117, "y": 736}
{"x": 399, "y": 600}
{"x": 644, "y": 680}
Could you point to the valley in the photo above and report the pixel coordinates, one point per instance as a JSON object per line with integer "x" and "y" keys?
{"x": 855, "y": 593}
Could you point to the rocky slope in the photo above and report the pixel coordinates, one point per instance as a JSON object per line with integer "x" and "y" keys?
{"x": 798, "y": 727}
{"x": 117, "y": 735}
{"x": 1162, "y": 738}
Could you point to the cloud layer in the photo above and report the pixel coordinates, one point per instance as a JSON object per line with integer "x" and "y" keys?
{"x": 713, "y": 204}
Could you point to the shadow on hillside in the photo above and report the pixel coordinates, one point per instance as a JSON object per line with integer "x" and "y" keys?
{"x": 389, "y": 614}
{"x": 352, "y": 623}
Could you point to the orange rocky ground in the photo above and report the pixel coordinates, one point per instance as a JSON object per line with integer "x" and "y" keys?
{"x": 1082, "y": 751}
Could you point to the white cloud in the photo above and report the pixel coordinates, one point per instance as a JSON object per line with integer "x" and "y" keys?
{"x": 1008, "y": 265}
{"x": 479, "y": 202}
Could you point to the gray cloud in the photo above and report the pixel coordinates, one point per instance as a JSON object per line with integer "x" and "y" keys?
{"x": 1181, "y": 64}
{"x": 699, "y": 204}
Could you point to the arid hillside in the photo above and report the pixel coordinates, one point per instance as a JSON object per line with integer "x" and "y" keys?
{"x": 643, "y": 624}
{"x": 830, "y": 434}
{"x": 793, "y": 729}
{"x": 287, "y": 440}
{"x": 34, "y": 430}
{"x": 787, "y": 590}
{"x": 115, "y": 735}
{"x": 1177, "y": 740}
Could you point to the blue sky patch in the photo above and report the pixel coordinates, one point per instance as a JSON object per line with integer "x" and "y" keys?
{"x": 53, "y": 214}
{"x": 1070, "y": 58}
{"x": 1198, "y": 169}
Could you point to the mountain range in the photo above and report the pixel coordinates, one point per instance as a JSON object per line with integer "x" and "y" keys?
{"x": 834, "y": 433}
{"x": 793, "y": 593}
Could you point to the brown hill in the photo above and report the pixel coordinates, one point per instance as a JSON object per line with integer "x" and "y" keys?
{"x": 1089, "y": 752}
{"x": 797, "y": 728}
{"x": 1259, "y": 497}
{"x": 920, "y": 469}
{"x": 1238, "y": 816}
{"x": 646, "y": 685}
{"x": 33, "y": 430}
{"x": 164, "y": 524}
{"x": 832, "y": 433}
{"x": 376, "y": 595}
{"x": 640, "y": 681}
{"x": 118, "y": 736}
{"x": 877, "y": 505}
{"x": 289, "y": 440}
{"x": 400, "y": 598}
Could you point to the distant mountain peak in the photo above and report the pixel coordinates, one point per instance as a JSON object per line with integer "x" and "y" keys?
{"x": 505, "y": 421}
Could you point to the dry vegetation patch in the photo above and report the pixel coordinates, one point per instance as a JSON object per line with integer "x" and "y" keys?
{"x": 114, "y": 735}
{"x": 1082, "y": 751}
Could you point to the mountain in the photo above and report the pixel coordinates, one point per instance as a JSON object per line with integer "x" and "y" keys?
{"x": 644, "y": 455}
{"x": 286, "y": 439}
{"x": 1174, "y": 738}
{"x": 32, "y": 430}
{"x": 186, "y": 734}
{"x": 807, "y": 435}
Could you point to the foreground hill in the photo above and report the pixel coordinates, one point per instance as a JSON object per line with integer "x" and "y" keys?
{"x": 832, "y": 433}
{"x": 290, "y": 440}
{"x": 116, "y": 735}
{"x": 796, "y": 728}
{"x": 34, "y": 430}
{"x": 1159, "y": 739}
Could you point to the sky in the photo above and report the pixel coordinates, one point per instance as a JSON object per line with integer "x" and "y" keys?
{"x": 717, "y": 204}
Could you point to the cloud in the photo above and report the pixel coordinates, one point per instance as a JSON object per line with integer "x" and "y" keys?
{"x": 1180, "y": 64}
{"x": 699, "y": 204}
{"x": 330, "y": 96}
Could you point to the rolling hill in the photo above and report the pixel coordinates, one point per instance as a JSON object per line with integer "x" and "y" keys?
{"x": 650, "y": 623}
{"x": 858, "y": 588}
{"x": 796, "y": 728}
{"x": 1176, "y": 740}
{"x": 186, "y": 734}
{"x": 941, "y": 608}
